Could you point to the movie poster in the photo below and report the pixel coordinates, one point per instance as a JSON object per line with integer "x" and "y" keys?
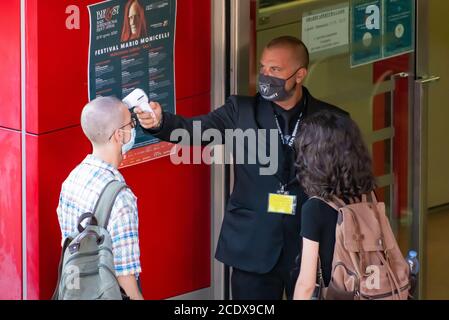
{"x": 132, "y": 46}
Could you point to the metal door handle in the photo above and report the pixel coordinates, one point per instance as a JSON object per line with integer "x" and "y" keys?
{"x": 429, "y": 79}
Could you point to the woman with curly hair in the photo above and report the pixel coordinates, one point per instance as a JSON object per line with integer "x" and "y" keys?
{"x": 332, "y": 161}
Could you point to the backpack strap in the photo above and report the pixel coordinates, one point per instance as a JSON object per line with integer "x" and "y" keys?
{"x": 320, "y": 286}
{"x": 373, "y": 198}
{"x": 65, "y": 245}
{"x": 106, "y": 201}
{"x": 379, "y": 218}
{"x": 338, "y": 202}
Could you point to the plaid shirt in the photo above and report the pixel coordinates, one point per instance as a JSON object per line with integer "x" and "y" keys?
{"x": 79, "y": 194}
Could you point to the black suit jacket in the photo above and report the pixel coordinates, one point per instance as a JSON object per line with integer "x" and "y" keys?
{"x": 251, "y": 239}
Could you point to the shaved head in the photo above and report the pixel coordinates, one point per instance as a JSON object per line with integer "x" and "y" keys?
{"x": 297, "y": 47}
{"x": 101, "y": 117}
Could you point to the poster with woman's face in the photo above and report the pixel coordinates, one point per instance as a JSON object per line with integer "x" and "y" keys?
{"x": 132, "y": 47}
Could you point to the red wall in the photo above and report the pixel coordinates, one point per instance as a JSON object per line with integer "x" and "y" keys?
{"x": 173, "y": 201}
{"x": 10, "y": 155}
{"x": 10, "y": 64}
{"x": 10, "y": 216}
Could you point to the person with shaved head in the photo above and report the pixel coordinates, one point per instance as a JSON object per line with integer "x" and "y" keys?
{"x": 110, "y": 128}
{"x": 260, "y": 235}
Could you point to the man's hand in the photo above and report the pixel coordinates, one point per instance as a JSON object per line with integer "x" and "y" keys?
{"x": 149, "y": 120}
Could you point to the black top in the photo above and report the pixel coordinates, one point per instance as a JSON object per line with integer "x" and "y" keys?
{"x": 251, "y": 238}
{"x": 318, "y": 223}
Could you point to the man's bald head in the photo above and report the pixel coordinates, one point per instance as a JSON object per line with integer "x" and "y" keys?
{"x": 101, "y": 117}
{"x": 298, "y": 48}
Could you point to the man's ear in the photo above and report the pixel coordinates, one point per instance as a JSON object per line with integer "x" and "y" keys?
{"x": 301, "y": 75}
{"x": 117, "y": 136}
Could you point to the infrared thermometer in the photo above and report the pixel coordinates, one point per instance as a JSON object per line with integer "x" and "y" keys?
{"x": 138, "y": 98}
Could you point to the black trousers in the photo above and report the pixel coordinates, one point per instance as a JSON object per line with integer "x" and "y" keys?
{"x": 269, "y": 286}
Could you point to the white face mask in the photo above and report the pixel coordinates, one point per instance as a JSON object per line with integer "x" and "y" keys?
{"x": 130, "y": 144}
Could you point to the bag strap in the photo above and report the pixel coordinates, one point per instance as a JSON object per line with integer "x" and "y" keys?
{"x": 373, "y": 198}
{"x": 320, "y": 275}
{"x": 67, "y": 241}
{"x": 378, "y": 217}
{"x": 106, "y": 201}
{"x": 318, "y": 292}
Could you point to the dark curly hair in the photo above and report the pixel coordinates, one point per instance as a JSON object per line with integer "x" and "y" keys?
{"x": 332, "y": 159}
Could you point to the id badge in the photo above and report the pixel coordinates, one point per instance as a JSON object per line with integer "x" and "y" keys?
{"x": 282, "y": 203}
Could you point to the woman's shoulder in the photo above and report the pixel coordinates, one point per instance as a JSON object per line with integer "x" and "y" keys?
{"x": 316, "y": 206}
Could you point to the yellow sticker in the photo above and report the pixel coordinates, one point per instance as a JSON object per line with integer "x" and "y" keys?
{"x": 279, "y": 203}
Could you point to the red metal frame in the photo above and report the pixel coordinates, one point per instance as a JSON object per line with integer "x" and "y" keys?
{"x": 401, "y": 101}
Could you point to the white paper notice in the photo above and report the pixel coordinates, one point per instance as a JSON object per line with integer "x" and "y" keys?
{"x": 326, "y": 29}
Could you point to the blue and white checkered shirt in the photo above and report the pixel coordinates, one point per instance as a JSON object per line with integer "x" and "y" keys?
{"x": 79, "y": 194}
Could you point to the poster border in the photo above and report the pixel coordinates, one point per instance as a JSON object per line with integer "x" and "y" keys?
{"x": 174, "y": 77}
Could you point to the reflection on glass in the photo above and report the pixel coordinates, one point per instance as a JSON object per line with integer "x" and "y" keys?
{"x": 269, "y": 3}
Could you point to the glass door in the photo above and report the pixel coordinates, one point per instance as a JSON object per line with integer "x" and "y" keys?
{"x": 374, "y": 91}
{"x": 353, "y": 67}
{"x": 390, "y": 74}
{"x": 431, "y": 149}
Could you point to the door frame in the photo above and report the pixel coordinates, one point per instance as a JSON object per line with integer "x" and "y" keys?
{"x": 423, "y": 79}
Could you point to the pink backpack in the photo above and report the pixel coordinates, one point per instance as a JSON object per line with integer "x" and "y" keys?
{"x": 367, "y": 264}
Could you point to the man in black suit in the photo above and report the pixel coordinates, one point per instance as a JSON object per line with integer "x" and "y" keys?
{"x": 260, "y": 234}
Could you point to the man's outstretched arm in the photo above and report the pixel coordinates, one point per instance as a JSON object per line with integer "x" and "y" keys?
{"x": 162, "y": 124}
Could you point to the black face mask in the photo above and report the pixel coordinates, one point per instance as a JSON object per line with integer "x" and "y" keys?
{"x": 273, "y": 89}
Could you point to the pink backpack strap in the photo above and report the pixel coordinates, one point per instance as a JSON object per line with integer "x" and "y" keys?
{"x": 373, "y": 198}
{"x": 364, "y": 198}
{"x": 340, "y": 203}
